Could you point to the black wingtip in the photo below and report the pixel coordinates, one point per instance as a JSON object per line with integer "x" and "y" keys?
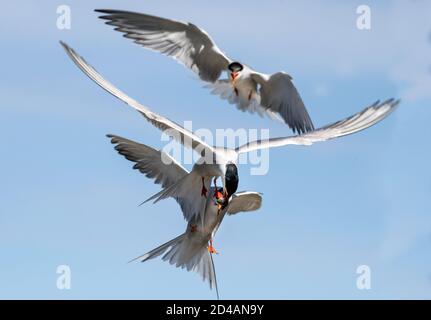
{"x": 103, "y": 10}
{"x": 397, "y": 102}
{"x": 392, "y": 101}
{"x": 107, "y": 13}
{"x": 64, "y": 45}
{"x": 113, "y": 139}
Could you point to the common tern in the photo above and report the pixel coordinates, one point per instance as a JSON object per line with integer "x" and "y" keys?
{"x": 272, "y": 94}
{"x": 192, "y": 249}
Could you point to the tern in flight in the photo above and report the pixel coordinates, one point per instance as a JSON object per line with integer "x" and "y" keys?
{"x": 252, "y": 91}
{"x": 219, "y": 161}
{"x": 193, "y": 249}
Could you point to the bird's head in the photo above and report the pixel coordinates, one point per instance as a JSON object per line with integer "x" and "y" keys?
{"x": 235, "y": 69}
{"x": 231, "y": 178}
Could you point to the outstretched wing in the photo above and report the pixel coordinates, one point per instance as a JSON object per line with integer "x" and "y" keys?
{"x": 171, "y": 128}
{"x": 244, "y": 201}
{"x": 279, "y": 95}
{"x": 155, "y": 164}
{"x": 359, "y": 121}
{"x": 185, "y": 42}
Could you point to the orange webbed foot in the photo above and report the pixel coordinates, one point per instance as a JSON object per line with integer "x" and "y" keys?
{"x": 211, "y": 248}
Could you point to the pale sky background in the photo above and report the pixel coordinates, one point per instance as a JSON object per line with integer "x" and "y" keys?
{"x": 66, "y": 197}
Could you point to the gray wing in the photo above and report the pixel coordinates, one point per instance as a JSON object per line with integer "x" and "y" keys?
{"x": 357, "y": 122}
{"x": 155, "y": 164}
{"x": 278, "y": 94}
{"x": 184, "y": 42}
{"x": 244, "y": 201}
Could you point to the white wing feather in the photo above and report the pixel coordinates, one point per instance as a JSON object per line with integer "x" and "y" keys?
{"x": 359, "y": 121}
{"x": 244, "y": 201}
{"x": 172, "y": 129}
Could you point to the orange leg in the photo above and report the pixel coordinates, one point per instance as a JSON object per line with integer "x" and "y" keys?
{"x": 211, "y": 248}
{"x": 204, "y": 190}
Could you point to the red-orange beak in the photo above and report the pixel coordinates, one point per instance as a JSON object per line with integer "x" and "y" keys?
{"x": 233, "y": 75}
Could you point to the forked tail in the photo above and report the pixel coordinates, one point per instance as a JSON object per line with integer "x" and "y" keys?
{"x": 183, "y": 252}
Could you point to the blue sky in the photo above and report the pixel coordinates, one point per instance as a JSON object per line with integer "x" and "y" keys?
{"x": 68, "y": 198}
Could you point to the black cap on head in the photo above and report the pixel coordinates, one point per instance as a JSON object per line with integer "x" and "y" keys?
{"x": 232, "y": 178}
{"x": 235, "y": 66}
